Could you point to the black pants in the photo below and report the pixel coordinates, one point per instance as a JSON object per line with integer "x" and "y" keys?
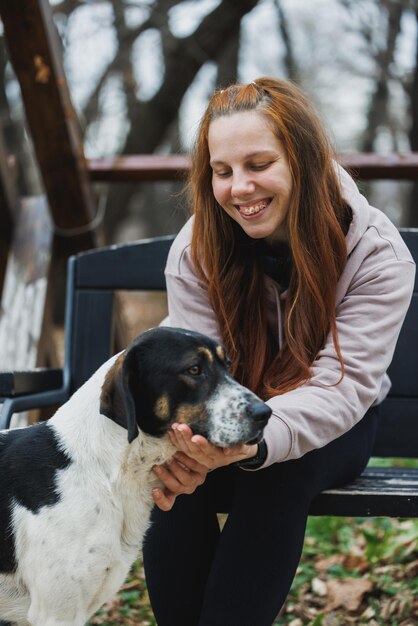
{"x": 199, "y": 576}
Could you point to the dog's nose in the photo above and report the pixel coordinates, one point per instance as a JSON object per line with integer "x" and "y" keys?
{"x": 260, "y": 412}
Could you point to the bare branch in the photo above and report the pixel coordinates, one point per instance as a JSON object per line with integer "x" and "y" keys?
{"x": 126, "y": 37}
{"x": 289, "y": 59}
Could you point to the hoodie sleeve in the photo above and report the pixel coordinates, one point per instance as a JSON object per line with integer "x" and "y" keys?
{"x": 369, "y": 319}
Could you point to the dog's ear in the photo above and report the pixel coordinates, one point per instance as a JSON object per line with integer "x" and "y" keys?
{"x": 116, "y": 401}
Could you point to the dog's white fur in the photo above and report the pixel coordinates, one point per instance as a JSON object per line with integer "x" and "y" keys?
{"x": 95, "y": 530}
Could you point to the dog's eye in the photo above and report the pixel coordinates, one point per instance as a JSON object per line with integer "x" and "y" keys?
{"x": 195, "y": 370}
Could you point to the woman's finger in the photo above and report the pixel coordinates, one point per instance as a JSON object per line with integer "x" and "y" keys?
{"x": 207, "y": 454}
{"x": 186, "y": 477}
{"x": 182, "y": 440}
{"x": 190, "y": 463}
{"x": 179, "y": 479}
{"x": 180, "y": 436}
{"x": 196, "y": 445}
{"x": 198, "y": 448}
{"x": 163, "y": 499}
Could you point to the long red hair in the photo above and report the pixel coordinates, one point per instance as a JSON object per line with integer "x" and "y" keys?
{"x": 232, "y": 267}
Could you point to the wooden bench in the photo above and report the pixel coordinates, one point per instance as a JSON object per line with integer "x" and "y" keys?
{"x": 93, "y": 278}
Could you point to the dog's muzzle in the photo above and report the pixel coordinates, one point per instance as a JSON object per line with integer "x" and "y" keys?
{"x": 233, "y": 417}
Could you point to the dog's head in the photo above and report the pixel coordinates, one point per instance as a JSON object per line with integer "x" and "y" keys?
{"x": 172, "y": 375}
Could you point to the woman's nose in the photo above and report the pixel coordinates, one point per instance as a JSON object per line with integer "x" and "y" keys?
{"x": 242, "y": 185}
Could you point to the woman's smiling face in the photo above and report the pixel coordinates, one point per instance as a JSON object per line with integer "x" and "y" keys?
{"x": 251, "y": 178}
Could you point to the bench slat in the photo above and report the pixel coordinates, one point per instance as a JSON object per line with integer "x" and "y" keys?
{"x": 381, "y": 491}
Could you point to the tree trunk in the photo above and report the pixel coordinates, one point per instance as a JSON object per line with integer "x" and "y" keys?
{"x": 411, "y": 217}
{"x": 378, "y": 109}
{"x": 290, "y": 62}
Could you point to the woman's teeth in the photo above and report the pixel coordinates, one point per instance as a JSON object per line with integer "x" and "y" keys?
{"x": 253, "y": 209}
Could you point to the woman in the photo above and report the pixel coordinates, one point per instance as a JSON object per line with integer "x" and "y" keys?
{"x": 307, "y": 286}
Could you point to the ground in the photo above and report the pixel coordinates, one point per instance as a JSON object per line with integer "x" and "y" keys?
{"x": 353, "y": 571}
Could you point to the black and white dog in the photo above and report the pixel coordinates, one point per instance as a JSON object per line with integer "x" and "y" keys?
{"x": 75, "y": 491}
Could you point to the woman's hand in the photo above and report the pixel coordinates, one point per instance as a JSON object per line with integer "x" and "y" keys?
{"x": 182, "y": 474}
{"x": 190, "y": 465}
{"x": 208, "y": 455}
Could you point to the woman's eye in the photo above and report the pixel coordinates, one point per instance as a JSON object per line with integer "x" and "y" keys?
{"x": 223, "y": 174}
{"x": 259, "y": 166}
{"x": 195, "y": 370}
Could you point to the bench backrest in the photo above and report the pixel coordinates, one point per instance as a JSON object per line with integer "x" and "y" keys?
{"x": 398, "y": 427}
{"x": 95, "y": 275}
{"x": 93, "y": 278}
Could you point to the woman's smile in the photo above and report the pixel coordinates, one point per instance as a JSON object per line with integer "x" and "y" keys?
{"x": 253, "y": 209}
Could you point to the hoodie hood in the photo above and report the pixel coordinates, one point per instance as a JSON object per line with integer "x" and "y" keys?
{"x": 359, "y": 206}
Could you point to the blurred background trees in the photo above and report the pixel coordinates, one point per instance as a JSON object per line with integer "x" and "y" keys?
{"x": 140, "y": 73}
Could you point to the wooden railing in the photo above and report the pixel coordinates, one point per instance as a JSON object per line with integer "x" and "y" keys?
{"x": 153, "y": 167}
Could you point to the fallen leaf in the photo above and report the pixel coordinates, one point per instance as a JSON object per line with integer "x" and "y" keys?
{"x": 330, "y": 620}
{"x": 358, "y": 563}
{"x": 368, "y": 613}
{"x": 43, "y": 71}
{"x": 319, "y": 587}
{"x": 323, "y": 565}
{"x": 410, "y": 547}
{"x": 347, "y": 593}
{"x": 411, "y": 569}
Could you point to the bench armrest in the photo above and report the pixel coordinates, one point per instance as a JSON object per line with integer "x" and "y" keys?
{"x": 22, "y": 391}
{"x": 16, "y": 383}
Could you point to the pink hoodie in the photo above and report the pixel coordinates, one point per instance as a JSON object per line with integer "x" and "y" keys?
{"x": 373, "y": 295}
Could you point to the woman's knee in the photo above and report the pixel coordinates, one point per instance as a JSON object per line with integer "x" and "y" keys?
{"x": 344, "y": 458}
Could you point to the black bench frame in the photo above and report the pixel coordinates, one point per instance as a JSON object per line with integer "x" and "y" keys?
{"x": 94, "y": 276}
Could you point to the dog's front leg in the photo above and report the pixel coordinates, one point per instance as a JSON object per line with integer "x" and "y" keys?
{"x": 45, "y": 622}
{"x": 53, "y": 621}
{"x": 44, "y": 616}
